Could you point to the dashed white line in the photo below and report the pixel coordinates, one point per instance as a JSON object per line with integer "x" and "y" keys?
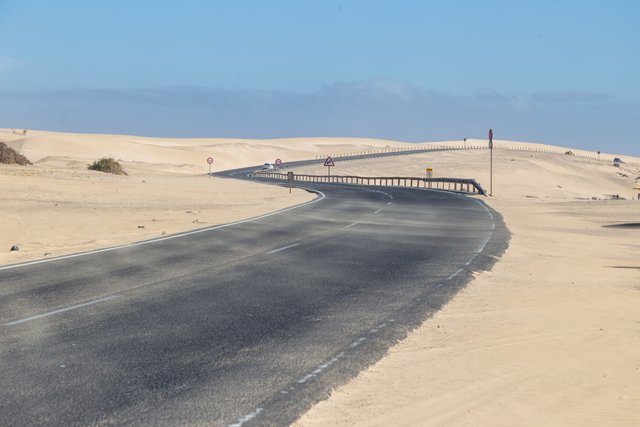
{"x": 321, "y": 368}
{"x": 62, "y": 310}
{"x": 245, "y": 418}
{"x": 305, "y": 379}
{"x": 388, "y": 203}
{"x": 283, "y": 249}
{"x": 377, "y": 212}
{"x": 160, "y": 239}
{"x": 460, "y": 270}
{"x": 357, "y": 342}
{"x": 351, "y": 225}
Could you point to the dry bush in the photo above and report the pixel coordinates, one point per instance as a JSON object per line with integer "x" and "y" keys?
{"x": 9, "y": 156}
{"x": 107, "y": 165}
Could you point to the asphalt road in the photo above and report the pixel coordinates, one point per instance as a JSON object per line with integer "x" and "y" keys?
{"x": 245, "y": 324}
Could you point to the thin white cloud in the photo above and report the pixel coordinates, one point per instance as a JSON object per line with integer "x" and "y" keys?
{"x": 7, "y": 63}
{"x": 382, "y": 109}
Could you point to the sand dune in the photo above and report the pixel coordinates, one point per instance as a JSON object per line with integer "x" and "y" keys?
{"x": 57, "y": 207}
{"x": 548, "y": 337}
{"x": 516, "y": 173}
{"x": 228, "y": 153}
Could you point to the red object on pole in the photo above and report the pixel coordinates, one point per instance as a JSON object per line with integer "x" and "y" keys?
{"x": 210, "y": 161}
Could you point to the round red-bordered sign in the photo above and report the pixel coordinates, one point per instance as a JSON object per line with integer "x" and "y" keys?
{"x": 209, "y": 160}
{"x": 278, "y": 162}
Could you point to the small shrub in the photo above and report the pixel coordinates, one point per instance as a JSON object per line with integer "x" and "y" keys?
{"x": 107, "y": 165}
{"x": 9, "y": 156}
{"x": 569, "y": 153}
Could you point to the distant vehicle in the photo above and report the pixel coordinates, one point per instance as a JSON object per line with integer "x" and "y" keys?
{"x": 268, "y": 166}
{"x": 617, "y": 160}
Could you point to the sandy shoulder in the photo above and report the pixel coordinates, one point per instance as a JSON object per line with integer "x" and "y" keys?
{"x": 550, "y": 336}
{"x": 56, "y": 206}
{"x": 48, "y": 211}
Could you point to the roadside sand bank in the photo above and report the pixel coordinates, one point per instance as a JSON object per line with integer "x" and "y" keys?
{"x": 549, "y": 336}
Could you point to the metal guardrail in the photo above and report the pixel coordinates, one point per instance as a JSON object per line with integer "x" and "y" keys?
{"x": 463, "y": 185}
{"x": 392, "y": 151}
{"x": 449, "y": 184}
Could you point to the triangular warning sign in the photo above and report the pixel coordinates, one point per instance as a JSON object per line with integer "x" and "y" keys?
{"x": 329, "y": 162}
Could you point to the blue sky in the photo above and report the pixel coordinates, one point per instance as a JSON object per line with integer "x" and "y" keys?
{"x": 562, "y": 72}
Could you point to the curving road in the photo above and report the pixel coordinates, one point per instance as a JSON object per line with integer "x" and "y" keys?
{"x": 243, "y": 324}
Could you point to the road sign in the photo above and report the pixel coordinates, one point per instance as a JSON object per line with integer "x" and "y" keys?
{"x": 328, "y": 163}
{"x": 278, "y": 162}
{"x": 491, "y": 135}
{"x": 210, "y": 161}
{"x": 429, "y": 172}
{"x": 290, "y": 179}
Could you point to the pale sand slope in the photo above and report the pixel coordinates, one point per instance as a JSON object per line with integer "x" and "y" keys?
{"x": 56, "y": 206}
{"x": 550, "y": 336}
{"x": 187, "y": 152}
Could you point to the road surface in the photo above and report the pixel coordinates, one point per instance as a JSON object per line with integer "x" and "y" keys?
{"x": 244, "y": 324}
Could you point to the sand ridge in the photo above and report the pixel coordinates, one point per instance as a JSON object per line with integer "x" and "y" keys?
{"x": 56, "y": 207}
{"x": 548, "y": 336}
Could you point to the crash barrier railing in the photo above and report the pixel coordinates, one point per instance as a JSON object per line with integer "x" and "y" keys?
{"x": 448, "y": 184}
{"x": 393, "y": 151}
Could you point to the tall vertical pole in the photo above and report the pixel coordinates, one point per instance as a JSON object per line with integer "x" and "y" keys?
{"x": 490, "y": 162}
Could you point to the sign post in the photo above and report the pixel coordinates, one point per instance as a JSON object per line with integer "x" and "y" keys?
{"x": 490, "y": 162}
{"x": 290, "y": 179}
{"x": 328, "y": 163}
{"x": 210, "y": 161}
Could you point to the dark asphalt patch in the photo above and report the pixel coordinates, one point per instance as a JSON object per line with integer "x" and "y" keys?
{"x": 623, "y": 225}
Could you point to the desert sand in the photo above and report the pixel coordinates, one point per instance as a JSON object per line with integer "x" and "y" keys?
{"x": 56, "y": 206}
{"x": 549, "y": 336}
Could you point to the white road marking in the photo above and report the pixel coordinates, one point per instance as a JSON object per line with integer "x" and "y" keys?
{"x": 388, "y": 203}
{"x": 351, "y": 225}
{"x": 62, "y": 310}
{"x": 357, "y": 342}
{"x": 282, "y": 249}
{"x": 485, "y": 208}
{"x": 484, "y": 244}
{"x": 305, "y": 379}
{"x": 321, "y": 368}
{"x": 377, "y": 212}
{"x": 245, "y": 418}
{"x": 160, "y": 239}
{"x": 460, "y": 270}
{"x": 381, "y": 192}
